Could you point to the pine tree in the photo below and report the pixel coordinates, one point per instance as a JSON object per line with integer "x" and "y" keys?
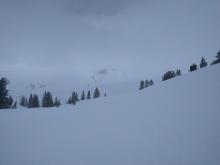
{"x": 4, "y": 99}
{"x": 96, "y": 93}
{"x": 30, "y": 101}
{"x": 50, "y": 99}
{"x": 146, "y": 84}
{"x": 178, "y": 72}
{"x": 44, "y": 99}
{"x": 76, "y": 96}
{"x": 151, "y": 83}
{"x": 88, "y": 95}
{"x": 35, "y": 102}
{"x": 217, "y": 60}
{"x": 83, "y": 96}
{"x": 10, "y": 101}
{"x": 22, "y": 102}
{"x": 14, "y": 106}
{"x": 218, "y": 55}
{"x": 168, "y": 75}
{"x": 193, "y": 67}
{"x": 141, "y": 85}
{"x": 57, "y": 102}
{"x": 47, "y": 100}
{"x": 105, "y": 94}
{"x": 203, "y": 63}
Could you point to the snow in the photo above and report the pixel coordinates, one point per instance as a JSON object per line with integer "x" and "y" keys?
{"x": 173, "y": 122}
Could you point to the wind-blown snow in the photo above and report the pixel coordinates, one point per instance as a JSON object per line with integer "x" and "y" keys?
{"x": 175, "y": 122}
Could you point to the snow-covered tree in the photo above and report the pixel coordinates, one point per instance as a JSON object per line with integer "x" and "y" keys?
{"x": 203, "y": 63}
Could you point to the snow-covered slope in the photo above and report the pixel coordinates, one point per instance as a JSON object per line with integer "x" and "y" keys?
{"x": 175, "y": 122}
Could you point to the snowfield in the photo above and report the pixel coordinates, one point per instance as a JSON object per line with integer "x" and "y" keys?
{"x": 176, "y": 122}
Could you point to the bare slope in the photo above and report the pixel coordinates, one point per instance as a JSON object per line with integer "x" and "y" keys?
{"x": 176, "y": 122}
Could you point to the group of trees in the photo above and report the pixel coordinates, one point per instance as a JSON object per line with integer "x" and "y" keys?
{"x": 203, "y": 63}
{"x": 48, "y": 101}
{"x": 6, "y": 101}
{"x": 33, "y": 101}
{"x": 145, "y": 84}
{"x": 171, "y": 74}
{"x": 74, "y": 97}
{"x": 217, "y": 60}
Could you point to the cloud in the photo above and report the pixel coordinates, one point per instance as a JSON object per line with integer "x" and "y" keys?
{"x": 135, "y": 36}
{"x": 100, "y": 7}
{"x": 102, "y": 71}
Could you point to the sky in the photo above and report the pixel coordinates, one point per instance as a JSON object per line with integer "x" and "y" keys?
{"x": 131, "y": 38}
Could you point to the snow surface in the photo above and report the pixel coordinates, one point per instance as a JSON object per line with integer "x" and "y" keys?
{"x": 176, "y": 122}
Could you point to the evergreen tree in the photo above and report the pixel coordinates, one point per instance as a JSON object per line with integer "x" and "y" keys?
{"x": 57, "y": 102}
{"x": 96, "y": 93}
{"x": 83, "y": 96}
{"x": 203, "y": 63}
{"x": 22, "y": 102}
{"x": 105, "y": 94}
{"x": 146, "y": 84}
{"x": 193, "y": 67}
{"x": 35, "y": 102}
{"x": 50, "y": 99}
{"x": 44, "y": 99}
{"x": 88, "y": 95}
{"x": 10, "y": 101}
{"x": 14, "y": 106}
{"x": 142, "y": 85}
{"x": 47, "y": 100}
{"x": 76, "y": 96}
{"x": 178, "y": 72}
{"x": 151, "y": 82}
{"x": 72, "y": 99}
{"x": 218, "y": 54}
{"x": 168, "y": 75}
{"x": 69, "y": 101}
{"x": 5, "y": 101}
{"x": 217, "y": 60}
{"x": 30, "y": 101}
{"x": 26, "y": 102}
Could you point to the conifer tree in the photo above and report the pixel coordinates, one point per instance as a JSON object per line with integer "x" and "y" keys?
{"x": 22, "y": 102}
{"x": 57, "y": 102}
{"x": 14, "y": 106}
{"x": 141, "y": 85}
{"x": 178, "y": 72}
{"x": 83, "y": 96}
{"x": 217, "y": 60}
{"x": 146, "y": 84}
{"x": 151, "y": 83}
{"x": 88, "y": 95}
{"x": 203, "y": 63}
{"x": 10, "y": 101}
{"x": 168, "y": 75}
{"x": 5, "y": 101}
{"x": 96, "y": 93}
{"x": 35, "y": 102}
{"x": 47, "y": 100}
{"x": 30, "y": 102}
{"x": 193, "y": 67}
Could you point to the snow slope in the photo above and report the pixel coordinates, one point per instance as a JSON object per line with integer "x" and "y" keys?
{"x": 176, "y": 122}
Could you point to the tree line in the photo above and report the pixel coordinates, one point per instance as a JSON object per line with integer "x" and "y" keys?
{"x": 193, "y": 67}
{"x": 6, "y": 101}
{"x": 74, "y": 97}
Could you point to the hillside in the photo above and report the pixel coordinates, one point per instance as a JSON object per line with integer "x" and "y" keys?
{"x": 172, "y": 123}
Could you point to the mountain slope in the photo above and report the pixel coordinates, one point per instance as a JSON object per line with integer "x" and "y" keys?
{"x": 175, "y": 122}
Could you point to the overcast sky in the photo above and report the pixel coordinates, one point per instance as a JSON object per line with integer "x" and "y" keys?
{"x": 134, "y": 37}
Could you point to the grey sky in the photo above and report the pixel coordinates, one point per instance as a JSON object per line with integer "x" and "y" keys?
{"x": 136, "y": 37}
